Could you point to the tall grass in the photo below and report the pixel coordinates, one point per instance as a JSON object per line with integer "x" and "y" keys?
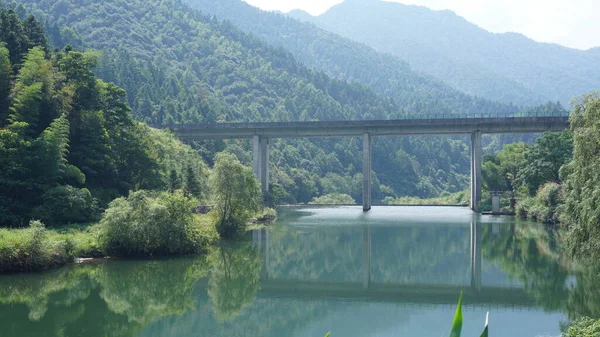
{"x": 32, "y": 249}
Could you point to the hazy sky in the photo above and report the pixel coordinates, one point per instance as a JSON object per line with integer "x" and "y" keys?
{"x": 573, "y": 23}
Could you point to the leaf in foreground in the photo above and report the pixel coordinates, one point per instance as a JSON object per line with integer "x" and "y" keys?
{"x": 457, "y": 324}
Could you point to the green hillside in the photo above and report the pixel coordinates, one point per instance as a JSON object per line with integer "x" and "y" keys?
{"x": 352, "y": 61}
{"x": 180, "y": 66}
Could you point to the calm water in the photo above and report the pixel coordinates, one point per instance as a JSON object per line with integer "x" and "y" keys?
{"x": 395, "y": 271}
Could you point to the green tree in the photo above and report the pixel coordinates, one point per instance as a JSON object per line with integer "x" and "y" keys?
{"x": 583, "y": 183}
{"x": 192, "y": 183}
{"x": 174, "y": 183}
{"x": 544, "y": 160}
{"x": 5, "y": 82}
{"x": 500, "y": 171}
{"x": 236, "y": 193}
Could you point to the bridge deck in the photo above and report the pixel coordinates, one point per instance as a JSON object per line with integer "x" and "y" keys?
{"x": 373, "y": 127}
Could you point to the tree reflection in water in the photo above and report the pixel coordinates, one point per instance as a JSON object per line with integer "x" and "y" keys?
{"x": 124, "y": 298}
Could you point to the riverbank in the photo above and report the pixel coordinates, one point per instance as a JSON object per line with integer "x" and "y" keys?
{"x": 38, "y": 248}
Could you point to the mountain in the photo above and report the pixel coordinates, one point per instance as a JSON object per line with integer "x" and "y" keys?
{"x": 504, "y": 67}
{"x": 340, "y": 57}
{"x": 181, "y": 66}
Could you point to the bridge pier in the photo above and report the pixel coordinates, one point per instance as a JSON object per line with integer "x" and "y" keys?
{"x": 476, "y": 152}
{"x": 260, "y": 160}
{"x": 366, "y": 172}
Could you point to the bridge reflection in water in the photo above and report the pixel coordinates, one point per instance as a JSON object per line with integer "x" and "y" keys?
{"x": 476, "y": 293}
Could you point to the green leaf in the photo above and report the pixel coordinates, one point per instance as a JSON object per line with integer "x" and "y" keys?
{"x": 328, "y": 334}
{"x": 458, "y": 320}
{"x": 485, "y": 330}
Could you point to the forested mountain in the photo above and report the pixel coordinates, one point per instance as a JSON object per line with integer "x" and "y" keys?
{"x": 340, "y": 57}
{"x": 68, "y": 144}
{"x": 505, "y": 67}
{"x": 178, "y": 65}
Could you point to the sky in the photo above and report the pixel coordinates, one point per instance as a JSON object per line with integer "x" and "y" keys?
{"x": 572, "y": 23}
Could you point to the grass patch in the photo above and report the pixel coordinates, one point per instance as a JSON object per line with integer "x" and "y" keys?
{"x": 32, "y": 249}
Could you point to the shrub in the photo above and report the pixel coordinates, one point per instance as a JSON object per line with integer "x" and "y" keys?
{"x": 585, "y": 327}
{"x": 545, "y": 207}
{"x": 524, "y": 206}
{"x": 67, "y": 204}
{"x": 146, "y": 224}
{"x": 31, "y": 249}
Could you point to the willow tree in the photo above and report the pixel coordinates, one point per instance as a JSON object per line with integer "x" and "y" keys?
{"x": 583, "y": 182}
{"x": 236, "y": 193}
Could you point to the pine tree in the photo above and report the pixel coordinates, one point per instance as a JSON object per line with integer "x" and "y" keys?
{"x": 174, "y": 183}
{"x": 192, "y": 183}
{"x": 5, "y": 83}
{"x": 35, "y": 33}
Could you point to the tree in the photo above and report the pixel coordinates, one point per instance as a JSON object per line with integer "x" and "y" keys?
{"x": 35, "y": 32}
{"x": 583, "y": 182}
{"x": 544, "y": 160}
{"x": 192, "y": 183}
{"x": 500, "y": 171}
{"x": 5, "y": 82}
{"x": 236, "y": 192}
{"x": 173, "y": 183}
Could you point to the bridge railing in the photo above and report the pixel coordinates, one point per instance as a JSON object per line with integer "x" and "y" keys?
{"x": 485, "y": 115}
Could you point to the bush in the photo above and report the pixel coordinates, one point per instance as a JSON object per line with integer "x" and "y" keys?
{"x": 524, "y": 206}
{"x": 67, "y": 204}
{"x": 31, "y": 249}
{"x": 585, "y": 327}
{"x": 146, "y": 224}
{"x": 333, "y": 199}
{"x": 545, "y": 207}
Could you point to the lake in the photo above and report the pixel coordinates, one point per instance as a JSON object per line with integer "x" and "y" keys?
{"x": 394, "y": 271}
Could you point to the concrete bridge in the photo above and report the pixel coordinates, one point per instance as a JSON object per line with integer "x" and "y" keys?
{"x": 262, "y": 132}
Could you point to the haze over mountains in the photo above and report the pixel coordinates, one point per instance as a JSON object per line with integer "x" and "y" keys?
{"x": 341, "y": 57}
{"x": 504, "y": 67}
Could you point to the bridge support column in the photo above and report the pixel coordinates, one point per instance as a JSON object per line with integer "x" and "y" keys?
{"x": 256, "y": 156}
{"x": 366, "y": 172}
{"x": 264, "y": 164}
{"x": 260, "y": 160}
{"x": 476, "y": 152}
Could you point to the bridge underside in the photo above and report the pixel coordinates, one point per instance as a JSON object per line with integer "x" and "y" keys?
{"x": 262, "y": 132}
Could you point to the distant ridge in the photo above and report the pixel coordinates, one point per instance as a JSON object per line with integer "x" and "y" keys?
{"x": 504, "y": 67}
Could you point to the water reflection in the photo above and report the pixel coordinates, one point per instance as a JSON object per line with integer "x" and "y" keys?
{"x": 332, "y": 269}
{"x": 234, "y": 279}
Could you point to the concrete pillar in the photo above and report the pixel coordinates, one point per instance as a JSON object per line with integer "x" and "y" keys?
{"x": 366, "y": 172}
{"x": 256, "y": 156}
{"x": 476, "y": 153}
{"x": 366, "y": 257}
{"x": 264, "y": 164}
{"x": 476, "y": 256}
